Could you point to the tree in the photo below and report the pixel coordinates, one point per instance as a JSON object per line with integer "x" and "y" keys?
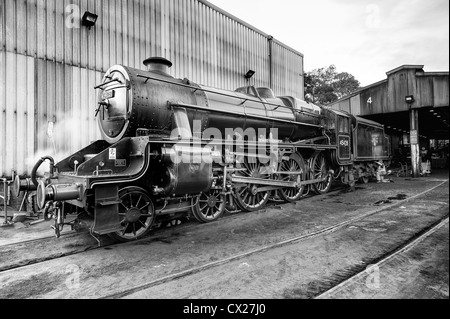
{"x": 326, "y": 85}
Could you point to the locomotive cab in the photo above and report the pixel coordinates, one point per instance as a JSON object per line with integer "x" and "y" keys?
{"x": 249, "y": 90}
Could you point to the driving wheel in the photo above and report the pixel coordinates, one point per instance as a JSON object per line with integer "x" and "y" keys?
{"x": 295, "y": 172}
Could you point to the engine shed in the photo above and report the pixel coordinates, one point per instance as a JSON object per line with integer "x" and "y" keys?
{"x": 412, "y": 104}
{"x": 53, "y": 53}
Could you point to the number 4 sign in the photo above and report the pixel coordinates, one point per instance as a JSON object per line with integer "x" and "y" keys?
{"x": 369, "y": 101}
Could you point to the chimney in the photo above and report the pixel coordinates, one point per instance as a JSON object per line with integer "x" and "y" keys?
{"x": 158, "y": 65}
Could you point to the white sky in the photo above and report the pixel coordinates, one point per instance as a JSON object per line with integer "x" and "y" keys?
{"x": 366, "y": 38}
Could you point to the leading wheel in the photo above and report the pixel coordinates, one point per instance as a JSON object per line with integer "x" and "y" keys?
{"x": 209, "y": 206}
{"x": 137, "y": 214}
{"x": 295, "y": 172}
{"x": 320, "y": 170}
{"x": 249, "y": 197}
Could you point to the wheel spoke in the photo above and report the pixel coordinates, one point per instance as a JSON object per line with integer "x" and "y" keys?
{"x": 245, "y": 188}
{"x": 146, "y": 205}
{"x": 246, "y": 196}
{"x": 140, "y": 198}
{"x": 131, "y": 200}
{"x": 125, "y": 229}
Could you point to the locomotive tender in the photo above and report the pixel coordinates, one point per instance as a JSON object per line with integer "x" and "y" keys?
{"x": 171, "y": 146}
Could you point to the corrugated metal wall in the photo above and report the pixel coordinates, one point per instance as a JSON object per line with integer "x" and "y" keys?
{"x": 49, "y": 66}
{"x": 287, "y": 71}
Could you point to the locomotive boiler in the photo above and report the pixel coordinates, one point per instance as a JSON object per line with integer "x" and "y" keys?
{"x": 171, "y": 146}
{"x": 133, "y": 100}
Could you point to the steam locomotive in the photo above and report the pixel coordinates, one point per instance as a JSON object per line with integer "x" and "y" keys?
{"x": 172, "y": 147}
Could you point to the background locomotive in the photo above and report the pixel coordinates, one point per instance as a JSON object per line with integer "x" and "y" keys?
{"x": 158, "y": 157}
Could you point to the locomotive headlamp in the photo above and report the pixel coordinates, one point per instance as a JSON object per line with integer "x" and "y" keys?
{"x": 250, "y": 74}
{"x": 89, "y": 19}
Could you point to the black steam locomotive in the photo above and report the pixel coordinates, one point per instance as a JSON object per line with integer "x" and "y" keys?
{"x": 171, "y": 147}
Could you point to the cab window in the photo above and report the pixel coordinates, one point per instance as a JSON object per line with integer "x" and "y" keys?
{"x": 344, "y": 125}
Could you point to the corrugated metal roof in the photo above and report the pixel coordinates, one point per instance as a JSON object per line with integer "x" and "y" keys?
{"x": 209, "y": 4}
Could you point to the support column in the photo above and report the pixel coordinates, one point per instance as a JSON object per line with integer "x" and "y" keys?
{"x": 415, "y": 147}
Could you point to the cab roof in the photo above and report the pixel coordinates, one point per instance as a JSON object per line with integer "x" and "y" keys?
{"x": 368, "y": 122}
{"x": 358, "y": 119}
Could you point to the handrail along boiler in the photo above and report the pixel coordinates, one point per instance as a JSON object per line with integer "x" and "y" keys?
{"x": 141, "y": 170}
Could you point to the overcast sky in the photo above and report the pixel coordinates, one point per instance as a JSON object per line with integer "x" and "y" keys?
{"x": 366, "y": 38}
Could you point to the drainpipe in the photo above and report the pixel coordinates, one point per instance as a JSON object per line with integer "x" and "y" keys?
{"x": 270, "y": 39}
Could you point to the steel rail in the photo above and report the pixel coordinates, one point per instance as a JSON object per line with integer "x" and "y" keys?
{"x": 396, "y": 252}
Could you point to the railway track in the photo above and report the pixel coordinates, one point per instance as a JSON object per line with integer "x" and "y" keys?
{"x": 57, "y": 245}
{"x": 408, "y": 245}
{"x": 199, "y": 269}
{"x": 36, "y": 240}
{"x": 22, "y": 254}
